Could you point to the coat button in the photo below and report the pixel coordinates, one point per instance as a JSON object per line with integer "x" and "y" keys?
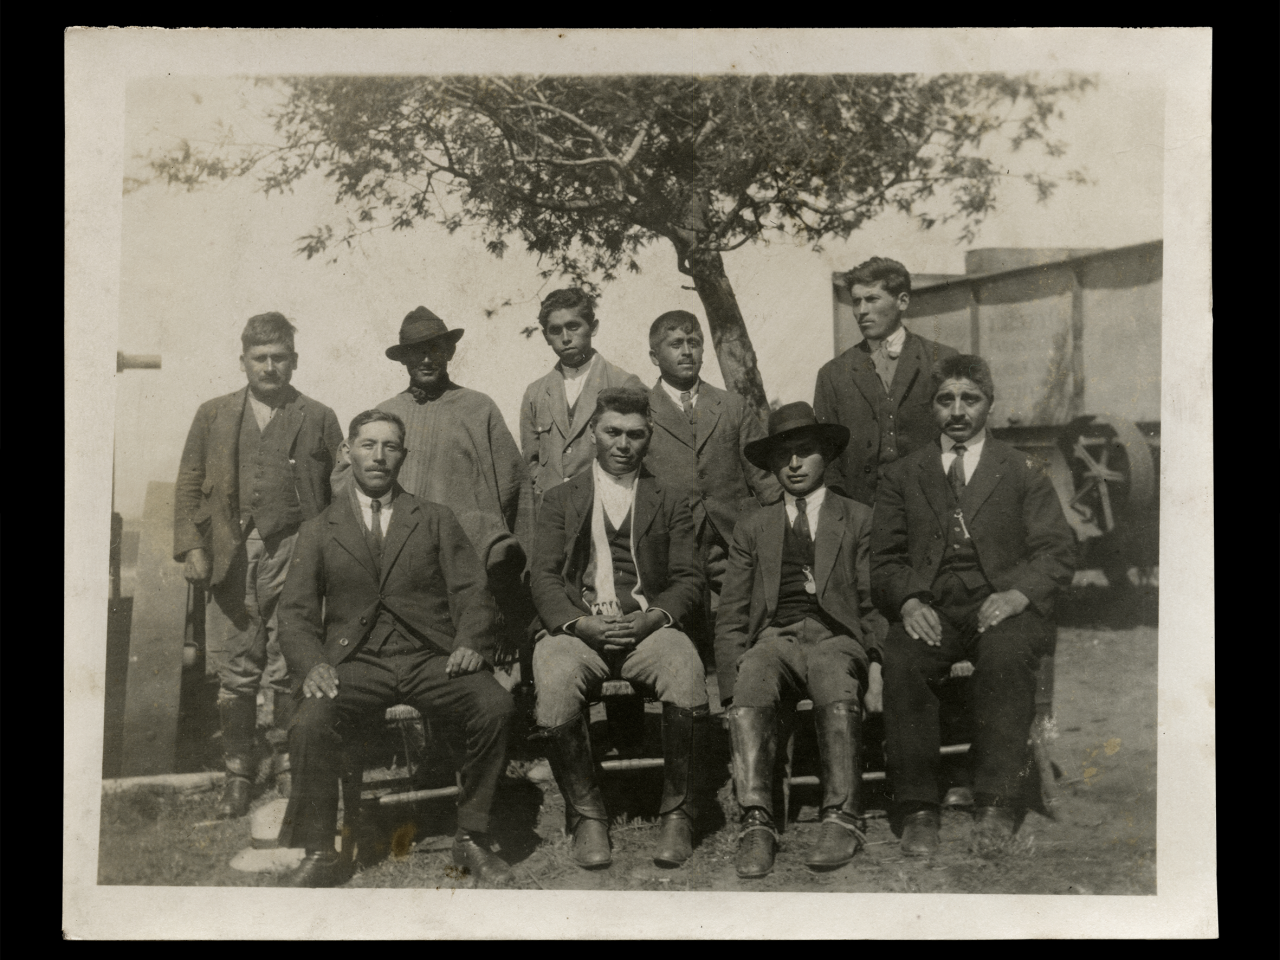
{"x": 363, "y": 621}
{"x": 867, "y": 468}
{"x": 343, "y": 641}
{"x": 568, "y": 450}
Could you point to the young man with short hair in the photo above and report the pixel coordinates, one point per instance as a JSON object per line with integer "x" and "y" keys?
{"x": 969, "y": 548}
{"x": 796, "y": 620}
{"x": 256, "y": 465}
{"x": 557, "y": 407}
{"x": 879, "y": 388}
{"x": 387, "y": 603}
{"x": 615, "y": 577}
{"x": 700, "y": 433}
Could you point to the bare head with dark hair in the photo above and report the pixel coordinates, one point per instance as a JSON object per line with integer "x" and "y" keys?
{"x": 621, "y": 428}
{"x": 962, "y": 395}
{"x": 375, "y": 450}
{"x": 568, "y": 319}
{"x": 882, "y": 270}
{"x": 681, "y": 320}
{"x": 965, "y": 366}
{"x": 375, "y": 416}
{"x": 266, "y": 329}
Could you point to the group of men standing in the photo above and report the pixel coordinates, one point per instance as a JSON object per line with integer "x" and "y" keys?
{"x": 639, "y": 534}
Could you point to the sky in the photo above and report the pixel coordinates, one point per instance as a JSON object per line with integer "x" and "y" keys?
{"x": 196, "y": 265}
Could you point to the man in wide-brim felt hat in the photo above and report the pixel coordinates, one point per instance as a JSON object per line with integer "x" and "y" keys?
{"x": 459, "y": 453}
{"x": 795, "y": 621}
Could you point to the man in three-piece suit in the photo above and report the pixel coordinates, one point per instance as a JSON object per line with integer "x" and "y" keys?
{"x": 615, "y": 577}
{"x": 796, "y": 620}
{"x": 879, "y": 388}
{"x": 557, "y": 407}
{"x": 969, "y": 547}
{"x": 700, "y": 433}
{"x": 387, "y": 602}
{"x": 256, "y": 465}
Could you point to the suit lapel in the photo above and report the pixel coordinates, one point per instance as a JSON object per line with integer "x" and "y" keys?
{"x": 863, "y": 373}
{"x": 646, "y": 506}
{"x": 553, "y": 388}
{"x": 291, "y": 415}
{"x": 775, "y": 524}
{"x": 911, "y": 362}
{"x": 226, "y": 440}
{"x": 670, "y": 417}
{"x": 826, "y": 547}
{"x": 990, "y": 470}
{"x": 934, "y": 484}
{"x": 586, "y": 404}
{"x": 709, "y": 406}
{"x": 348, "y": 531}
{"x": 581, "y": 495}
{"x": 404, "y": 518}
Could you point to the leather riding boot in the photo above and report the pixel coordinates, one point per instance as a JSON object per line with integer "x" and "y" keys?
{"x": 757, "y": 844}
{"x": 753, "y": 738}
{"x": 843, "y": 830}
{"x": 239, "y": 724}
{"x": 586, "y": 820}
{"x": 678, "y": 810}
{"x": 282, "y": 717}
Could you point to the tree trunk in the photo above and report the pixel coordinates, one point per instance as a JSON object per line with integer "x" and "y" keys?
{"x": 734, "y": 351}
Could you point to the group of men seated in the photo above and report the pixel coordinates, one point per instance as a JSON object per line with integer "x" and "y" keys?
{"x": 881, "y": 532}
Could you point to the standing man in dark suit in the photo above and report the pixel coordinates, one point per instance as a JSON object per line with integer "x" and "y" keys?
{"x": 796, "y": 620}
{"x": 615, "y": 577}
{"x": 879, "y": 388}
{"x": 256, "y": 465}
{"x": 700, "y": 434}
{"x": 387, "y": 603}
{"x": 969, "y": 547}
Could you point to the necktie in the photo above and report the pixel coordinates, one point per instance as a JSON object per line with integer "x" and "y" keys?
{"x": 801, "y": 527}
{"x": 882, "y": 360}
{"x": 956, "y": 473}
{"x": 375, "y": 508}
{"x": 686, "y": 401}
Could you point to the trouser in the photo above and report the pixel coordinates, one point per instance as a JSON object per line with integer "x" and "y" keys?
{"x": 1003, "y": 689}
{"x": 325, "y": 731}
{"x": 713, "y": 557}
{"x": 242, "y": 642}
{"x": 568, "y": 673}
{"x": 787, "y": 662}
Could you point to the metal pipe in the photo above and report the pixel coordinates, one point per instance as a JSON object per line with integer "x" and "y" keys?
{"x": 644, "y": 763}
{"x": 413, "y": 796}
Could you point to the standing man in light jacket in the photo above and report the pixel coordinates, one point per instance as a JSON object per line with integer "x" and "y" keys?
{"x": 255, "y": 466}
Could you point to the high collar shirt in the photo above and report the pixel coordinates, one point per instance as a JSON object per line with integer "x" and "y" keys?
{"x": 575, "y": 378}
{"x": 892, "y": 344}
{"x": 616, "y": 493}
{"x": 972, "y": 453}
{"x": 674, "y": 393}
{"x": 366, "y": 508}
{"x": 812, "y": 507}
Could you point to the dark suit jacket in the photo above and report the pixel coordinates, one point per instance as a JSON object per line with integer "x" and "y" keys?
{"x": 206, "y": 498}
{"x": 666, "y": 553}
{"x": 749, "y": 598}
{"x": 1012, "y": 513}
{"x": 705, "y": 461}
{"x": 848, "y": 392}
{"x": 430, "y": 578}
{"x": 555, "y": 447}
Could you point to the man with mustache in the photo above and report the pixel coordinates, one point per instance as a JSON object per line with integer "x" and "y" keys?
{"x": 386, "y": 603}
{"x": 615, "y": 577}
{"x": 256, "y": 465}
{"x": 879, "y": 388}
{"x": 969, "y": 547}
{"x": 461, "y": 454}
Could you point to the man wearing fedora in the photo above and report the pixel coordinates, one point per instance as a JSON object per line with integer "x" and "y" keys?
{"x": 256, "y": 465}
{"x": 459, "y": 453}
{"x": 796, "y": 620}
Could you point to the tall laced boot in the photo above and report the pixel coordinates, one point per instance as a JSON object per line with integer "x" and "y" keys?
{"x": 753, "y": 737}
{"x": 843, "y": 831}
{"x": 678, "y": 809}
{"x": 586, "y": 820}
{"x": 239, "y": 724}
{"x": 283, "y": 707}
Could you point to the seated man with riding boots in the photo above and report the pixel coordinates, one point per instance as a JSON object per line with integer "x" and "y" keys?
{"x": 969, "y": 547}
{"x": 796, "y": 620}
{"x": 614, "y": 577}
{"x": 386, "y": 602}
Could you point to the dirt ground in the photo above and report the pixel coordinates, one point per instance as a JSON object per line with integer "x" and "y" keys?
{"x": 1102, "y": 840}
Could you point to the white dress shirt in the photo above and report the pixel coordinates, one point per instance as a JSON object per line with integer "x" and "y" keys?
{"x": 972, "y": 452}
{"x": 575, "y": 378}
{"x": 674, "y": 393}
{"x": 892, "y": 343}
{"x": 366, "y": 508}
{"x": 812, "y": 506}
{"x": 262, "y": 412}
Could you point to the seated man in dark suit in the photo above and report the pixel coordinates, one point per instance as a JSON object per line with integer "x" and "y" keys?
{"x": 614, "y": 577}
{"x": 796, "y": 619}
{"x": 386, "y": 602}
{"x": 969, "y": 547}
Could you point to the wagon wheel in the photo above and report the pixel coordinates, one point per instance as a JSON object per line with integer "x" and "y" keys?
{"x": 1112, "y": 469}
